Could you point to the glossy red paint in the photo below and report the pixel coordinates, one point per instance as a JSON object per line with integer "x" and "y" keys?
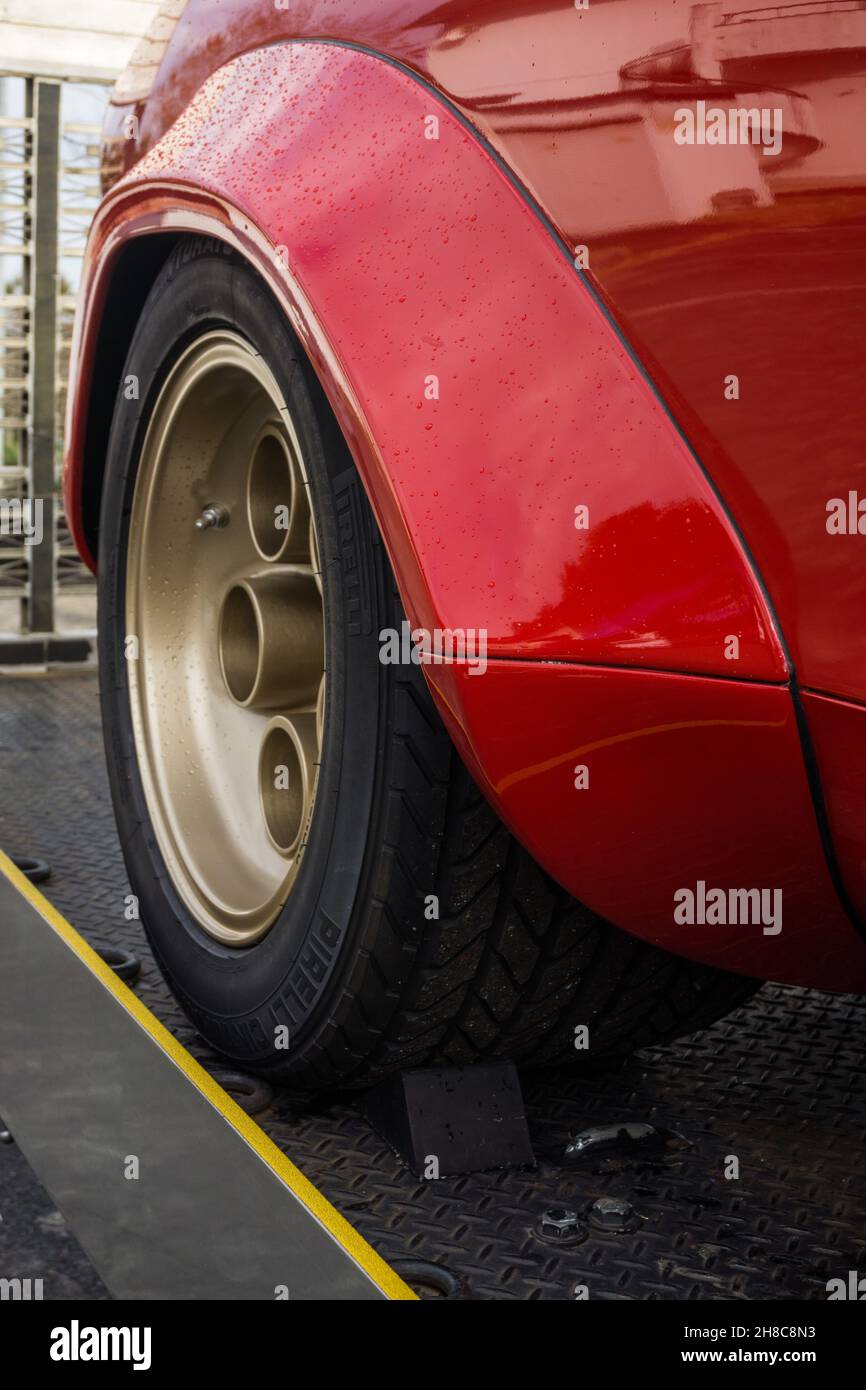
{"x": 715, "y": 260}
{"x": 414, "y": 260}
{"x": 404, "y": 258}
{"x": 689, "y": 779}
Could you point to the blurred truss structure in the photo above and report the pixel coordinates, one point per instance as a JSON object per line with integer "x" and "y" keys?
{"x": 77, "y": 166}
{"x": 27, "y": 344}
{"x": 16, "y": 206}
{"x": 49, "y": 190}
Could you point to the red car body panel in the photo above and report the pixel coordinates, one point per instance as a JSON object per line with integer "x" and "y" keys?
{"x": 398, "y": 257}
{"x": 772, "y": 250}
{"x": 540, "y": 407}
{"x": 680, "y": 771}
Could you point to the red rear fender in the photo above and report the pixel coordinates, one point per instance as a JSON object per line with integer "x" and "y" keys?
{"x": 527, "y": 479}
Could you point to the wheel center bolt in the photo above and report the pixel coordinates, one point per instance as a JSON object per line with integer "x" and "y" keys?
{"x": 213, "y": 518}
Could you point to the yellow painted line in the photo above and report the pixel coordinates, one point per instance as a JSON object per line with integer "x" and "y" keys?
{"x": 354, "y": 1244}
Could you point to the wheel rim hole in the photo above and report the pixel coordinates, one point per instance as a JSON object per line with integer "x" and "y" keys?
{"x": 281, "y": 779}
{"x": 271, "y": 497}
{"x": 320, "y": 712}
{"x": 240, "y": 644}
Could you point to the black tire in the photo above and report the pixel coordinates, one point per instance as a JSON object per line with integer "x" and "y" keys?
{"x": 366, "y": 982}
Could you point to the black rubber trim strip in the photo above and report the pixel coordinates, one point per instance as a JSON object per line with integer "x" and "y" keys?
{"x": 813, "y": 773}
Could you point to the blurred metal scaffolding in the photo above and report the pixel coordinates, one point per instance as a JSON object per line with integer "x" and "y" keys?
{"x": 49, "y": 190}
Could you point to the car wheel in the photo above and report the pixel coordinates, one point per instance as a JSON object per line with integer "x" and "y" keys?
{"x": 326, "y": 891}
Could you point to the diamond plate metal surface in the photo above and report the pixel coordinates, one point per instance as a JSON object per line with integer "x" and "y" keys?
{"x": 780, "y": 1085}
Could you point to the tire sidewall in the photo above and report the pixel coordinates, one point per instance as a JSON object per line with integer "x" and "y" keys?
{"x": 238, "y": 997}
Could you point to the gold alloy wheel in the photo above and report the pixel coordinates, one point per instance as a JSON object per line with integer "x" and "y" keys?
{"x": 227, "y": 676}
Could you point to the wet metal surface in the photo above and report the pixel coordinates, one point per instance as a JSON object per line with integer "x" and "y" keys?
{"x": 780, "y": 1085}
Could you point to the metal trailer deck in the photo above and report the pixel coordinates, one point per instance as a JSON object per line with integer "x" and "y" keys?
{"x": 779, "y": 1085}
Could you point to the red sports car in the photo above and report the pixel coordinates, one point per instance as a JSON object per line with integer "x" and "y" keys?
{"x": 468, "y": 430}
